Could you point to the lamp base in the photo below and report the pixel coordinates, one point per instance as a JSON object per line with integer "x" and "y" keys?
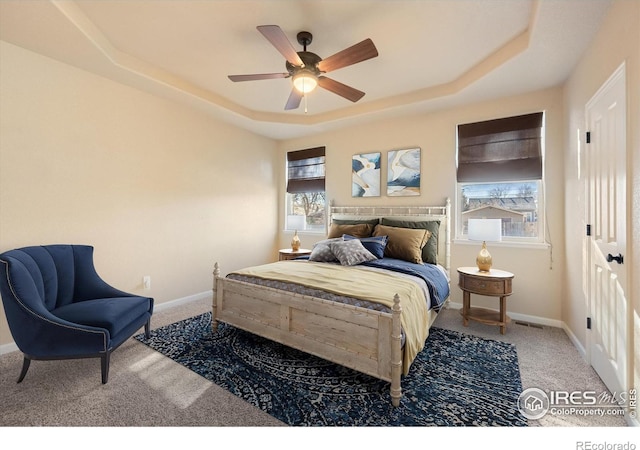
{"x": 295, "y": 242}
{"x": 484, "y": 260}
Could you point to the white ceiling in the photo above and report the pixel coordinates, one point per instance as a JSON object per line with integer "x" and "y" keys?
{"x": 432, "y": 53}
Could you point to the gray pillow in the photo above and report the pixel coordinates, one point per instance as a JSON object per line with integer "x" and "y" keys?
{"x": 350, "y": 253}
{"x": 321, "y": 251}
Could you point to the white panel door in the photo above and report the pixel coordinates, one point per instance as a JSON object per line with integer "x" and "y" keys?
{"x": 606, "y": 209}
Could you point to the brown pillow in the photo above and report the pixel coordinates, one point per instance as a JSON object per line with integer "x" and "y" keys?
{"x": 430, "y": 250}
{"x": 403, "y": 243}
{"x": 360, "y": 230}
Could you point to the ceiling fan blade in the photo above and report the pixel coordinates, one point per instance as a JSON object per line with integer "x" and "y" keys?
{"x": 294, "y": 100}
{"x": 258, "y": 76}
{"x": 356, "y": 53}
{"x": 278, "y": 39}
{"x": 341, "y": 89}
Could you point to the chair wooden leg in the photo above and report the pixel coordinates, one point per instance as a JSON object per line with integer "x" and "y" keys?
{"x": 147, "y": 328}
{"x": 25, "y": 367}
{"x": 104, "y": 363}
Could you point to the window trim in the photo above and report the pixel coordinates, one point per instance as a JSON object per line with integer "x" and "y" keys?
{"x": 318, "y": 231}
{"x": 488, "y": 137}
{"x": 513, "y": 241}
{"x": 303, "y": 184}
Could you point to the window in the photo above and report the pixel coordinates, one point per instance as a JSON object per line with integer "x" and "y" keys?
{"x": 306, "y": 203}
{"x": 500, "y": 174}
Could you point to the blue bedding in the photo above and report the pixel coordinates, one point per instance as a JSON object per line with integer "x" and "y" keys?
{"x": 436, "y": 281}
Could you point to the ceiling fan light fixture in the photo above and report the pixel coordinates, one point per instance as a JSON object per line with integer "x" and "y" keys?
{"x": 306, "y": 69}
{"x": 305, "y": 81}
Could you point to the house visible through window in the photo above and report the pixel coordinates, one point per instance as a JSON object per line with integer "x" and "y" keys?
{"x": 500, "y": 175}
{"x": 306, "y": 205}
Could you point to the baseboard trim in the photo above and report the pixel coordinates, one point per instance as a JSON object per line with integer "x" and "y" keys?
{"x": 575, "y": 341}
{"x": 523, "y": 317}
{"x": 8, "y": 348}
{"x": 181, "y": 301}
{"x": 12, "y": 347}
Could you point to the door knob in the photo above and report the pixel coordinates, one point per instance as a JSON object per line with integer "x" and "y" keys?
{"x": 619, "y": 259}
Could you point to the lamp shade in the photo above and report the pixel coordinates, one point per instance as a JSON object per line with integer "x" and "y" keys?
{"x": 295, "y": 222}
{"x": 305, "y": 81}
{"x": 488, "y": 230}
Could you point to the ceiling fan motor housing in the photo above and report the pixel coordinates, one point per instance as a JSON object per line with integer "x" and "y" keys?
{"x": 310, "y": 61}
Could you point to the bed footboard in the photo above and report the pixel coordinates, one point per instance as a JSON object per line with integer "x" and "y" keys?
{"x": 362, "y": 339}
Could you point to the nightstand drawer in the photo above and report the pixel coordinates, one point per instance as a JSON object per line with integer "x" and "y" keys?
{"x": 286, "y": 253}
{"x": 485, "y": 286}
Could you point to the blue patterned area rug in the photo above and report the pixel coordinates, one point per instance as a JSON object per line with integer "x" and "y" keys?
{"x": 457, "y": 380}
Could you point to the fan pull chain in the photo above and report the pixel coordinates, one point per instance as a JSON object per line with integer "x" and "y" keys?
{"x": 305, "y": 103}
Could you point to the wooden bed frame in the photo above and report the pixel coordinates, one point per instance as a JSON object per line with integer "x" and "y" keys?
{"x": 362, "y": 339}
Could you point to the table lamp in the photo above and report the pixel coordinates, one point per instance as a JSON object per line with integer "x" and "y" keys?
{"x": 297, "y": 223}
{"x": 484, "y": 230}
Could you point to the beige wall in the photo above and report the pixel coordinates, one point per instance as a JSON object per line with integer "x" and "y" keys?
{"x": 617, "y": 41}
{"x": 158, "y": 188}
{"x": 538, "y": 271}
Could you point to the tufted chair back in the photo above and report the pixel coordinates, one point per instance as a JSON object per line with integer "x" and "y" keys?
{"x": 48, "y": 274}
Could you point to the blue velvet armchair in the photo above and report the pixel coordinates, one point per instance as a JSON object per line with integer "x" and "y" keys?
{"x": 58, "y": 307}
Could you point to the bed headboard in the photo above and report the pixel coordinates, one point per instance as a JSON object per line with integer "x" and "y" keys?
{"x": 412, "y": 213}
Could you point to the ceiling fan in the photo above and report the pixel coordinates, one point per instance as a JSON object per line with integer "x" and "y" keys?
{"x": 306, "y": 69}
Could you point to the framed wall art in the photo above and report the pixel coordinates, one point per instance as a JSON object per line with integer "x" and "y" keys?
{"x": 403, "y": 172}
{"x": 365, "y": 173}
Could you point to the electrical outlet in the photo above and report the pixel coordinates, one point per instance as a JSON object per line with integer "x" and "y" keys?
{"x": 146, "y": 281}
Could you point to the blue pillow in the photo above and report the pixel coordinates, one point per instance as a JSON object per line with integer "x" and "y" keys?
{"x": 375, "y": 244}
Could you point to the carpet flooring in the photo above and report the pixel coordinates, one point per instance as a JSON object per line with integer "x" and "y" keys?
{"x": 457, "y": 380}
{"x": 147, "y": 389}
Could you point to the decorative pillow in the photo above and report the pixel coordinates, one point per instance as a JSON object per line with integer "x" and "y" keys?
{"x": 351, "y": 252}
{"x": 375, "y": 244}
{"x": 430, "y": 250}
{"x": 358, "y": 230}
{"x": 321, "y": 251}
{"x": 404, "y": 243}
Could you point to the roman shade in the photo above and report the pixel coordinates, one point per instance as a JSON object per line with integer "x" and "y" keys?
{"x": 507, "y": 149}
{"x": 305, "y": 170}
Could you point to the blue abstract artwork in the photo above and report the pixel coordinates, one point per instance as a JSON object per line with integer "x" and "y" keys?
{"x": 365, "y": 170}
{"x": 403, "y": 172}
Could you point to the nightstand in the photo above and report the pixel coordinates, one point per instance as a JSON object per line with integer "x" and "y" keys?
{"x": 495, "y": 283}
{"x": 286, "y": 254}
